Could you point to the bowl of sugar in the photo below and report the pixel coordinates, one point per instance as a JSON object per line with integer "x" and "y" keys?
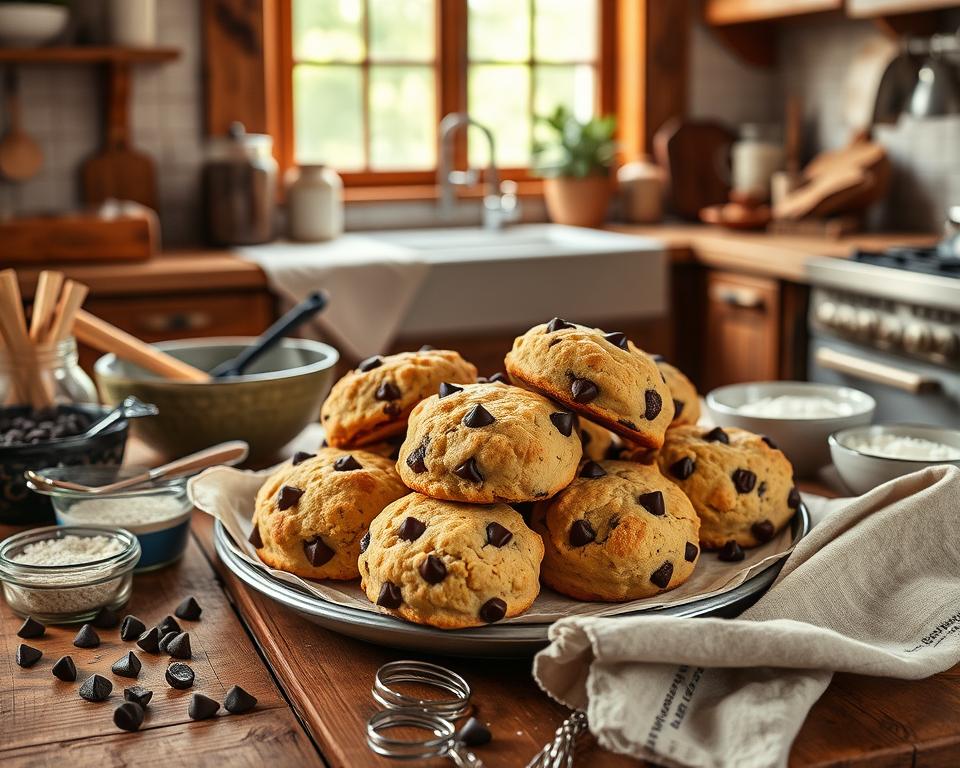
{"x": 798, "y": 416}
{"x": 866, "y": 457}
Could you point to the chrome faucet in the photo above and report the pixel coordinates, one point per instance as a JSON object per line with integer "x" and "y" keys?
{"x": 500, "y": 203}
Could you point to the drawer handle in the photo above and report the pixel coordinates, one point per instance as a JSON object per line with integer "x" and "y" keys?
{"x": 879, "y": 373}
{"x": 741, "y": 299}
{"x": 176, "y": 321}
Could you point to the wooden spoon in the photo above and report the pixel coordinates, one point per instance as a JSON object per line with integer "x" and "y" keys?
{"x": 20, "y": 156}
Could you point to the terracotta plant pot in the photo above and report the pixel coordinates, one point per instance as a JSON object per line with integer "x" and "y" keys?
{"x": 578, "y": 202}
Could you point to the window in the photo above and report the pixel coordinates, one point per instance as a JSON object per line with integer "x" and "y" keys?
{"x": 369, "y": 80}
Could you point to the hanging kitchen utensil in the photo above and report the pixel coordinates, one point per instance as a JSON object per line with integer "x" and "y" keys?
{"x": 20, "y": 156}
{"x": 937, "y": 91}
{"x": 896, "y": 85}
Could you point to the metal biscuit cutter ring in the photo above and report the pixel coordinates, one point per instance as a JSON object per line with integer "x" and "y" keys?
{"x": 422, "y": 673}
{"x": 443, "y": 744}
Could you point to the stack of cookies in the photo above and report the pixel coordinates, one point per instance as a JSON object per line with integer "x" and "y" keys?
{"x": 453, "y": 497}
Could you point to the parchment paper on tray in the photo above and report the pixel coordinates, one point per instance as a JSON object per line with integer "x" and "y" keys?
{"x": 228, "y": 494}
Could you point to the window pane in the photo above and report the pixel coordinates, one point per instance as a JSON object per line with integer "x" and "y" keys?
{"x": 569, "y": 84}
{"x": 328, "y": 115}
{"x": 402, "y": 29}
{"x": 403, "y": 118}
{"x": 499, "y": 98}
{"x": 498, "y": 30}
{"x": 328, "y": 30}
{"x": 565, "y": 30}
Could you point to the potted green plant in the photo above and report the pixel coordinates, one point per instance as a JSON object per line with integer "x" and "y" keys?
{"x": 576, "y": 163}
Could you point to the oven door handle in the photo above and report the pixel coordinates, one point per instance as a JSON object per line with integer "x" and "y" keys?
{"x": 880, "y": 373}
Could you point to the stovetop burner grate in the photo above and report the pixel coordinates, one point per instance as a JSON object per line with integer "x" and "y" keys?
{"x": 928, "y": 260}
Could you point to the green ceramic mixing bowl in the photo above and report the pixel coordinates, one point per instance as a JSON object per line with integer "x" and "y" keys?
{"x": 268, "y": 406}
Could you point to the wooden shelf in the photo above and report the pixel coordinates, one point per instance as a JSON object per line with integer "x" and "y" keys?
{"x": 723, "y": 12}
{"x": 87, "y": 55}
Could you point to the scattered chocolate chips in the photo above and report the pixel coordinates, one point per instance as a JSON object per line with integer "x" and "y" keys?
{"x": 433, "y": 570}
{"x": 202, "y": 707}
{"x": 127, "y": 666}
{"x": 584, "y": 390}
{"x": 288, "y": 496}
{"x": 592, "y": 470}
{"x": 317, "y": 552}
{"x": 717, "y": 435}
{"x": 498, "y": 535}
{"x": 138, "y": 695}
{"x": 150, "y": 640}
{"x": 558, "y": 324}
{"x": 301, "y": 456}
{"x": 27, "y": 655}
{"x": 131, "y": 627}
{"x": 447, "y": 389}
{"x": 188, "y": 610}
{"x": 469, "y": 471}
{"x": 661, "y": 577}
{"x": 106, "y": 618}
{"x": 31, "y": 628}
{"x": 165, "y": 641}
{"x": 731, "y": 552}
{"x": 690, "y": 552}
{"x": 474, "y": 733}
{"x": 65, "y": 669}
{"x": 744, "y": 480}
{"x": 128, "y": 716}
{"x": 364, "y": 542}
{"x": 678, "y": 406}
{"x": 387, "y": 391}
{"x": 237, "y": 701}
{"x": 347, "y": 464}
{"x": 770, "y": 443}
{"x": 415, "y": 460}
{"x": 653, "y": 404}
{"x": 87, "y": 637}
{"x": 169, "y": 624}
{"x": 390, "y": 595}
{"x": 793, "y": 498}
{"x": 762, "y": 489}
{"x": 493, "y": 610}
{"x": 581, "y": 533}
{"x": 179, "y": 647}
{"x": 683, "y": 468}
{"x": 411, "y": 529}
{"x": 617, "y": 338}
{"x": 762, "y": 531}
{"x": 255, "y": 537}
{"x": 563, "y": 421}
{"x": 370, "y": 363}
{"x": 653, "y": 503}
{"x": 179, "y": 676}
{"x": 478, "y": 417}
{"x": 96, "y": 688}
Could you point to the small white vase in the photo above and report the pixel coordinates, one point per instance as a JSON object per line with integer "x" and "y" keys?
{"x": 132, "y": 23}
{"x": 314, "y": 203}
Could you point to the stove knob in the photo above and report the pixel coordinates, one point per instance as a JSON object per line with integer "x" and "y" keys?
{"x": 867, "y": 321}
{"x": 846, "y": 319}
{"x": 827, "y": 313}
{"x": 916, "y": 337}
{"x": 889, "y": 330}
{"x": 944, "y": 342}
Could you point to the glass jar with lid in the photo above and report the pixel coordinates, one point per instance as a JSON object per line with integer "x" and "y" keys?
{"x": 58, "y": 372}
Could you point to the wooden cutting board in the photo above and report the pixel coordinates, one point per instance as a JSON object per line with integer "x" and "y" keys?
{"x": 695, "y": 156}
{"x": 119, "y": 171}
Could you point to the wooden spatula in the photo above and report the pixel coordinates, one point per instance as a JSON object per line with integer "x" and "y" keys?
{"x": 118, "y": 170}
{"x": 20, "y": 156}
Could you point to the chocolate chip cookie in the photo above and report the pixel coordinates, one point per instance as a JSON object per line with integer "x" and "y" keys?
{"x": 602, "y": 376}
{"x": 686, "y": 401}
{"x": 373, "y": 402}
{"x": 450, "y": 565}
{"x": 620, "y": 531}
{"x": 313, "y": 511}
{"x": 483, "y": 443}
{"x": 740, "y": 484}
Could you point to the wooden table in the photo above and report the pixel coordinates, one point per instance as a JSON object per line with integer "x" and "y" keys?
{"x": 313, "y": 688}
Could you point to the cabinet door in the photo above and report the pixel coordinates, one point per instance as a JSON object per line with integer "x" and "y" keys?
{"x": 742, "y": 331}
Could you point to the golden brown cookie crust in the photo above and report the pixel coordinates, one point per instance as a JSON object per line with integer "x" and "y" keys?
{"x": 476, "y": 567}
{"x": 686, "y": 400}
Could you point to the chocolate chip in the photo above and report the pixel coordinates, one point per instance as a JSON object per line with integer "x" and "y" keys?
{"x": 744, "y": 480}
{"x": 131, "y": 627}
{"x": 433, "y": 570}
{"x": 731, "y": 552}
{"x": 415, "y": 460}
{"x": 169, "y": 624}
{"x": 237, "y": 701}
{"x": 65, "y": 669}
{"x": 447, "y": 389}
{"x": 584, "y": 390}
{"x": 255, "y": 538}
{"x": 563, "y": 421}
{"x": 346, "y": 464}
{"x": 106, "y": 618}
{"x": 493, "y": 610}
{"x": 301, "y": 456}
{"x": 27, "y": 655}
{"x": 683, "y": 468}
{"x": 411, "y": 529}
{"x": 690, "y": 552}
{"x": 770, "y": 443}
{"x": 370, "y": 363}
{"x": 653, "y": 404}
{"x": 364, "y": 542}
{"x": 189, "y": 610}
{"x": 179, "y": 647}
{"x": 202, "y": 707}
{"x": 762, "y": 531}
{"x": 138, "y": 695}
{"x": 127, "y": 666}
{"x": 653, "y": 503}
{"x": 128, "y": 716}
{"x": 469, "y": 471}
{"x": 317, "y": 552}
{"x": 617, "y": 338}
{"x": 96, "y": 688}
{"x": 592, "y": 470}
{"x": 793, "y": 498}
{"x": 390, "y": 595}
{"x": 87, "y": 637}
{"x": 558, "y": 324}
{"x": 165, "y": 641}
{"x": 498, "y": 535}
{"x": 661, "y": 577}
{"x": 581, "y": 533}
{"x": 387, "y": 391}
{"x": 288, "y": 496}
{"x": 474, "y": 733}
{"x": 179, "y": 676}
{"x": 31, "y": 629}
{"x": 677, "y": 408}
{"x": 762, "y": 489}
{"x": 717, "y": 435}
{"x": 499, "y": 378}
{"x": 150, "y": 640}
{"x": 478, "y": 417}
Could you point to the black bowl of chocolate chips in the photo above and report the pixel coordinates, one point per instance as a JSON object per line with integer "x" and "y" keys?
{"x": 53, "y": 438}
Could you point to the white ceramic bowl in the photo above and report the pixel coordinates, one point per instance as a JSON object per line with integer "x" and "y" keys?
{"x": 804, "y": 441}
{"x": 26, "y": 25}
{"x": 862, "y": 472}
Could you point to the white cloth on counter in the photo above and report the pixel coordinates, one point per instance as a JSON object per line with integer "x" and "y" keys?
{"x": 371, "y": 285}
{"x": 874, "y": 589}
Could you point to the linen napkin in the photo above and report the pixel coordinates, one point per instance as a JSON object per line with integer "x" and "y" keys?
{"x": 874, "y": 589}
